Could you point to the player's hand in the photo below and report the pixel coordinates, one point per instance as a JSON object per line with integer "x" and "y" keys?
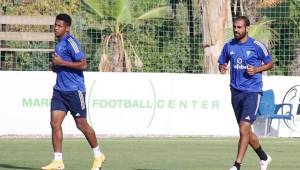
{"x": 223, "y": 68}
{"x": 57, "y": 60}
{"x": 251, "y": 70}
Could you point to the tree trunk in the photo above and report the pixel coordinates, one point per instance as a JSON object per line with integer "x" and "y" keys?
{"x": 214, "y": 25}
{"x": 117, "y": 54}
{"x": 246, "y": 8}
{"x": 114, "y": 57}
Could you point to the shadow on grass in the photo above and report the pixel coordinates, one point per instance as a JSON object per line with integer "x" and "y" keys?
{"x": 7, "y": 166}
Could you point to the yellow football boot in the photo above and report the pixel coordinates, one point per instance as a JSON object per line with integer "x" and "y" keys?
{"x": 54, "y": 165}
{"x": 97, "y": 164}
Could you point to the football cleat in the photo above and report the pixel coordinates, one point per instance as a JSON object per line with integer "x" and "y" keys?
{"x": 233, "y": 168}
{"x": 97, "y": 164}
{"x": 54, "y": 165}
{"x": 264, "y": 164}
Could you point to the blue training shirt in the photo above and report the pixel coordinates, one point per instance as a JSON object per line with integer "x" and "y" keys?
{"x": 68, "y": 79}
{"x": 241, "y": 55}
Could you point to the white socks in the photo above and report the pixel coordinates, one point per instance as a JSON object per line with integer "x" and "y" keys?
{"x": 97, "y": 152}
{"x": 58, "y": 156}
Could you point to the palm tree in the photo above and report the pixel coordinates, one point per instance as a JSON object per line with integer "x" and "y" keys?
{"x": 115, "y": 46}
{"x": 214, "y": 26}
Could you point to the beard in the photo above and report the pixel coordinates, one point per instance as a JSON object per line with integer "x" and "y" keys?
{"x": 239, "y": 36}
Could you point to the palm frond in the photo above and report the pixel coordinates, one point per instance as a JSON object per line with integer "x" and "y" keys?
{"x": 296, "y": 3}
{"x": 95, "y": 6}
{"x": 121, "y": 11}
{"x": 262, "y": 32}
{"x": 156, "y": 13}
{"x": 297, "y": 25}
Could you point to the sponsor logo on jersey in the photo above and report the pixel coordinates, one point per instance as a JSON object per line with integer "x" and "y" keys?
{"x": 239, "y": 65}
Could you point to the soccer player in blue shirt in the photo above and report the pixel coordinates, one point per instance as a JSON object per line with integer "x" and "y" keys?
{"x": 68, "y": 62}
{"x": 248, "y": 59}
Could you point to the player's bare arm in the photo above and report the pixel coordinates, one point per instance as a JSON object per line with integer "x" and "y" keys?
{"x": 80, "y": 65}
{"x": 253, "y": 70}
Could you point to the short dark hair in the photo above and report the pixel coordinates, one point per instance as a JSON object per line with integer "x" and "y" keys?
{"x": 243, "y": 18}
{"x": 65, "y": 17}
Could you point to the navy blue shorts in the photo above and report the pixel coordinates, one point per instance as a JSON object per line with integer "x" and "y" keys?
{"x": 245, "y": 105}
{"x": 73, "y": 101}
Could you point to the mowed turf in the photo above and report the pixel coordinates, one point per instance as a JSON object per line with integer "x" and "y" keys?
{"x": 205, "y": 153}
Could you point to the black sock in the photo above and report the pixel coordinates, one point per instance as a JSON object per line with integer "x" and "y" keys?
{"x": 237, "y": 165}
{"x": 261, "y": 153}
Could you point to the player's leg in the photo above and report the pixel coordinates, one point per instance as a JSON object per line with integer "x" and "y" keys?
{"x": 245, "y": 107}
{"x": 58, "y": 113}
{"x": 88, "y": 132}
{"x": 247, "y": 117}
{"x": 245, "y": 131}
{"x": 78, "y": 111}
{"x": 251, "y": 104}
{"x": 236, "y": 101}
{"x": 265, "y": 159}
{"x": 77, "y": 106}
{"x": 57, "y": 118}
{"x": 254, "y": 142}
{"x": 90, "y": 135}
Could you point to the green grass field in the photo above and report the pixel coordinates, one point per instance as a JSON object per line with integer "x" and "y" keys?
{"x": 148, "y": 153}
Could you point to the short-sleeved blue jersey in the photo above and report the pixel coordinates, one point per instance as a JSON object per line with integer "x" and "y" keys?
{"x": 241, "y": 55}
{"x": 68, "y": 79}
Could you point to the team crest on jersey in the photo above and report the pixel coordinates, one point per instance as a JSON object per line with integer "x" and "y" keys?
{"x": 239, "y": 60}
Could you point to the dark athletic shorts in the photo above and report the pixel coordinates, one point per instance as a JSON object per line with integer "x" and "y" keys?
{"x": 245, "y": 105}
{"x": 73, "y": 101}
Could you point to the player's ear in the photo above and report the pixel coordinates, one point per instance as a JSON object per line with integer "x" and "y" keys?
{"x": 68, "y": 28}
{"x": 247, "y": 28}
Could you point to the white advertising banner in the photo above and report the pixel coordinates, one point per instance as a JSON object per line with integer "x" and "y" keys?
{"x": 139, "y": 104}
